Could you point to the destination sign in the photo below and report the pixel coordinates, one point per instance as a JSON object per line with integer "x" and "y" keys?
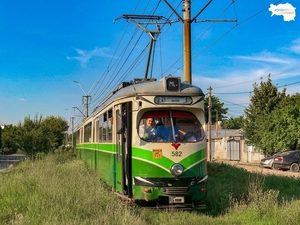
{"x": 173, "y": 100}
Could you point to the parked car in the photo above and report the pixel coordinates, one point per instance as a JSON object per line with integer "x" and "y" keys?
{"x": 267, "y": 162}
{"x": 288, "y": 160}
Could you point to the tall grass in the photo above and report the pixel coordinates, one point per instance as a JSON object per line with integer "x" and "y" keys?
{"x": 59, "y": 189}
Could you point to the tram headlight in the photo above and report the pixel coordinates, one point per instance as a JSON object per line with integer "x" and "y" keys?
{"x": 176, "y": 170}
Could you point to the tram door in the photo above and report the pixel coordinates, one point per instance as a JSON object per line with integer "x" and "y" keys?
{"x": 124, "y": 146}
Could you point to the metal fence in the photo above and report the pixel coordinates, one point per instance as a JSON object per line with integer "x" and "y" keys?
{"x": 7, "y": 160}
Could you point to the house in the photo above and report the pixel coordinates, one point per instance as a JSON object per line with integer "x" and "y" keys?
{"x": 229, "y": 145}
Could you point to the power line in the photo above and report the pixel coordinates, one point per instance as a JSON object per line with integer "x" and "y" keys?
{"x": 246, "y": 92}
{"x": 110, "y": 80}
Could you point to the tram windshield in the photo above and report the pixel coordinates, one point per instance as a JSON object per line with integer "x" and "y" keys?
{"x": 170, "y": 126}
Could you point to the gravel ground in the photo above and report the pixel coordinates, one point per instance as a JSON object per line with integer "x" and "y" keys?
{"x": 256, "y": 168}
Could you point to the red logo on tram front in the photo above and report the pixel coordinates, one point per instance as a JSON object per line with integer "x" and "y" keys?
{"x": 176, "y": 145}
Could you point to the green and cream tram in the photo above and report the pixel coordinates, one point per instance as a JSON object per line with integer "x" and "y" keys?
{"x": 147, "y": 141}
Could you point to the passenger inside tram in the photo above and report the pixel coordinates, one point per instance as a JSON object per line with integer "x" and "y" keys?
{"x": 167, "y": 132}
{"x": 170, "y": 126}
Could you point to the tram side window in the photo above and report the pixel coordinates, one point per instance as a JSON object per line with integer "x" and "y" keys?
{"x": 81, "y": 135}
{"x": 96, "y": 131}
{"x": 109, "y": 125}
{"x": 170, "y": 126}
{"x": 78, "y": 137}
{"x": 104, "y": 125}
{"x": 88, "y": 132}
{"x": 101, "y": 128}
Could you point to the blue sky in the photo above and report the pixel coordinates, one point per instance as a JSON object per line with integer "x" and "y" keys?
{"x": 47, "y": 44}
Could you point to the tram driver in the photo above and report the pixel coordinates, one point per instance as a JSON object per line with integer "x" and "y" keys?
{"x": 146, "y": 131}
{"x": 165, "y": 132}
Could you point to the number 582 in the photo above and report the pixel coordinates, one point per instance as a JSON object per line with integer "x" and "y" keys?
{"x": 177, "y": 153}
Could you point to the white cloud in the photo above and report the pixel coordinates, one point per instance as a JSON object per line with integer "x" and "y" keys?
{"x": 235, "y": 81}
{"x": 295, "y": 46}
{"x": 85, "y": 56}
{"x": 22, "y": 99}
{"x": 265, "y": 56}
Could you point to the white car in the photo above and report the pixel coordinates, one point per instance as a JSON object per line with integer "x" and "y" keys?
{"x": 267, "y": 162}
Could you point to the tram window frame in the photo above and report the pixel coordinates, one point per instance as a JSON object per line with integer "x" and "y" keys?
{"x": 109, "y": 125}
{"x": 186, "y": 122}
{"x": 96, "y": 129}
{"x": 104, "y": 126}
{"x": 100, "y": 128}
{"x": 81, "y": 135}
{"x": 78, "y": 137}
{"x": 88, "y": 132}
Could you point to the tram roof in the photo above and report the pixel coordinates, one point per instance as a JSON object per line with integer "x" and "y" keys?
{"x": 149, "y": 87}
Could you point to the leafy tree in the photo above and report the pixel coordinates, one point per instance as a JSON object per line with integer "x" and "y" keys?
{"x": 217, "y": 109}
{"x": 266, "y": 98}
{"x": 283, "y": 126}
{"x": 29, "y": 139}
{"x": 233, "y": 123}
{"x": 9, "y": 144}
{"x": 41, "y": 135}
{"x": 54, "y": 129}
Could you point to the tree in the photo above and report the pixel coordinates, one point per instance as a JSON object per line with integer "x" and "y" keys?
{"x": 9, "y": 144}
{"x": 41, "y": 135}
{"x": 54, "y": 128}
{"x": 266, "y": 98}
{"x": 29, "y": 138}
{"x": 282, "y": 130}
{"x": 233, "y": 123}
{"x": 218, "y": 109}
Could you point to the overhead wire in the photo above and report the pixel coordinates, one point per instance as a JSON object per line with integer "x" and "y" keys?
{"x": 113, "y": 61}
{"x": 130, "y": 68}
{"x": 109, "y": 83}
{"x": 180, "y": 58}
{"x": 246, "y": 92}
{"x": 222, "y": 36}
{"x": 116, "y": 71}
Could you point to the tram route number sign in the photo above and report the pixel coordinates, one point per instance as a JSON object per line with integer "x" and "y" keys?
{"x": 157, "y": 153}
{"x": 173, "y": 84}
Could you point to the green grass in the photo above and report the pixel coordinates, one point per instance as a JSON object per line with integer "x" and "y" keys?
{"x": 59, "y": 189}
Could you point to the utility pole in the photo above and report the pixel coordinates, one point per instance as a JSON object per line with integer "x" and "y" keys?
{"x": 209, "y": 150}
{"x": 86, "y": 104}
{"x": 217, "y": 122}
{"x": 86, "y": 96}
{"x": 187, "y": 49}
{"x": 151, "y": 19}
{"x": 78, "y": 110}
{"x": 72, "y": 128}
{"x": 187, "y": 21}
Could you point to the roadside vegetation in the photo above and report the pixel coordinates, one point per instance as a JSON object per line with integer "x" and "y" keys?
{"x": 59, "y": 189}
{"x": 271, "y": 121}
{"x": 34, "y": 136}
{"x": 53, "y": 187}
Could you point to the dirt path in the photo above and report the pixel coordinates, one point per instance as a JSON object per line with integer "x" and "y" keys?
{"x": 256, "y": 168}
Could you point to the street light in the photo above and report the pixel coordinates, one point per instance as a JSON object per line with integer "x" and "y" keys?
{"x": 72, "y": 126}
{"x": 86, "y": 96}
{"x": 80, "y": 86}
